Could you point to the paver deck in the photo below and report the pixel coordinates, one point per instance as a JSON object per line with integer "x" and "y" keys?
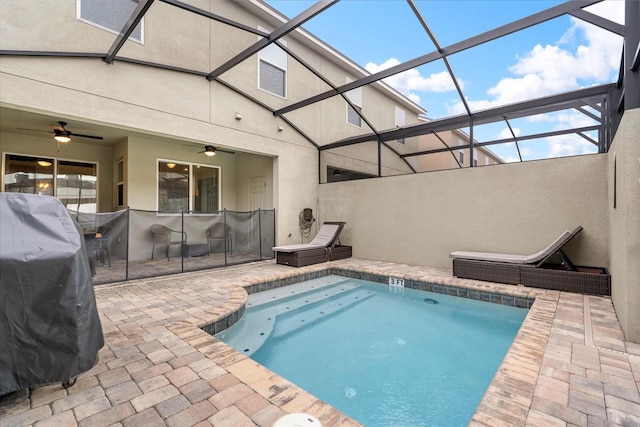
{"x": 569, "y": 364}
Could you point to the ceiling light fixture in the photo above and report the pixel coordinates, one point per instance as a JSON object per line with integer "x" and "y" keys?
{"x": 210, "y": 150}
{"x": 62, "y": 138}
{"x": 44, "y": 163}
{"x": 171, "y": 165}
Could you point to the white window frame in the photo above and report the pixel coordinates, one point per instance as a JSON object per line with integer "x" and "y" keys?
{"x": 120, "y": 182}
{"x": 54, "y": 177}
{"x": 277, "y": 58}
{"x": 355, "y": 96}
{"x": 111, "y": 30}
{"x": 191, "y": 165}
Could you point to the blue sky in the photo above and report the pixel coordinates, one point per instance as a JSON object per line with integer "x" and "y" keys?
{"x": 555, "y": 57}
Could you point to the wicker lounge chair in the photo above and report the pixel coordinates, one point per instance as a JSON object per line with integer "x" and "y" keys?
{"x": 508, "y": 268}
{"x": 324, "y": 247}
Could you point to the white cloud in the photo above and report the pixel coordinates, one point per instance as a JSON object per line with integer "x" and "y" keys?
{"x": 552, "y": 69}
{"x": 569, "y": 145}
{"x": 506, "y": 133}
{"x": 525, "y": 152}
{"x": 411, "y": 81}
{"x": 511, "y": 159}
{"x": 613, "y": 12}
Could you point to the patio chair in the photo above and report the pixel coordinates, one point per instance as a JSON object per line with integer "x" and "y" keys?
{"x": 507, "y": 268}
{"x": 101, "y": 249}
{"x": 324, "y": 247}
{"x": 220, "y": 231}
{"x": 162, "y": 236}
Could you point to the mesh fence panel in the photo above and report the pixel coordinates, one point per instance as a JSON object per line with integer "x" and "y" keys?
{"x": 105, "y": 235}
{"x": 123, "y": 246}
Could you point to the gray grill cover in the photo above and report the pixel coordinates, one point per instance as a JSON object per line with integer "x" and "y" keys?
{"x": 49, "y": 326}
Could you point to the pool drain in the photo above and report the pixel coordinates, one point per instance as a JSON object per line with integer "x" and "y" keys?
{"x": 431, "y": 301}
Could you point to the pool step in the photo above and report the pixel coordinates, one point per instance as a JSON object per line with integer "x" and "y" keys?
{"x": 248, "y": 337}
{"x": 293, "y": 321}
{"x": 287, "y": 293}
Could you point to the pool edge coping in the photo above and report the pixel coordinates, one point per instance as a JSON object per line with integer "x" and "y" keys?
{"x": 510, "y": 391}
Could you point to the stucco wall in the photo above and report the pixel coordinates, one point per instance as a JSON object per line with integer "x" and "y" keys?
{"x": 623, "y": 170}
{"x": 161, "y": 104}
{"x": 515, "y": 208}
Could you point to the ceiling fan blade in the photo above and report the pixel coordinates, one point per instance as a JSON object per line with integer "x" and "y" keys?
{"x": 36, "y": 130}
{"x": 84, "y": 136}
{"x": 217, "y": 149}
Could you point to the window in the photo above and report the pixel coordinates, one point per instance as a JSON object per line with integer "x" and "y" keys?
{"x": 272, "y": 79}
{"x": 120, "y": 183}
{"x": 400, "y": 121}
{"x": 461, "y": 153}
{"x": 74, "y": 183}
{"x": 355, "y": 96}
{"x": 110, "y": 15}
{"x": 475, "y": 157}
{"x": 194, "y": 188}
{"x": 272, "y": 64}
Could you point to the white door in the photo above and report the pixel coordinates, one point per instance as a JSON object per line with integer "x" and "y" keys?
{"x": 258, "y": 186}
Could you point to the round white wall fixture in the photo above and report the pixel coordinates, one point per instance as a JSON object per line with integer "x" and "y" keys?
{"x": 298, "y": 420}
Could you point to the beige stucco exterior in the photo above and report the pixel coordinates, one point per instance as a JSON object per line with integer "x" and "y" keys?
{"x": 163, "y": 114}
{"x": 623, "y": 179}
{"x": 516, "y": 208}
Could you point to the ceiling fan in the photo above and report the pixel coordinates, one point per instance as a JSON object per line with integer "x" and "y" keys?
{"x": 63, "y": 135}
{"x": 210, "y": 150}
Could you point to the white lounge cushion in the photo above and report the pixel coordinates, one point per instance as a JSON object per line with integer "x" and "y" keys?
{"x": 489, "y": 256}
{"x": 515, "y": 259}
{"x": 325, "y": 236}
{"x": 297, "y": 248}
{"x": 557, "y": 244}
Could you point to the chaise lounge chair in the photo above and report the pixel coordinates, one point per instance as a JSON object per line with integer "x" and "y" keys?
{"x": 507, "y": 268}
{"x": 324, "y": 247}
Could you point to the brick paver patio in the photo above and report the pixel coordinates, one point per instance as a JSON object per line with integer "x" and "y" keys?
{"x": 569, "y": 364}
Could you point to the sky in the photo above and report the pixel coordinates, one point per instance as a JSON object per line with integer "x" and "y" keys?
{"x": 557, "y": 56}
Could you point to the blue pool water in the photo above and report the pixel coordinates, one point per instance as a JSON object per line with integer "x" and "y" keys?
{"x": 385, "y": 356}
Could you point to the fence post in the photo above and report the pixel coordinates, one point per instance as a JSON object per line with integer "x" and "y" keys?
{"x": 224, "y": 220}
{"x": 126, "y": 264}
{"x": 260, "y": 232}
{"x": 184, "y": 242}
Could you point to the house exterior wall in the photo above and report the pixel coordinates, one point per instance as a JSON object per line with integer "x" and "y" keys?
{"x": 623, "y": 171}
{"x": 162, "y": 110}
{"x": 516, "y": 208}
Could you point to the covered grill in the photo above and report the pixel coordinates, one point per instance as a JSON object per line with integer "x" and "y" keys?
{"x": 49, "y": 326}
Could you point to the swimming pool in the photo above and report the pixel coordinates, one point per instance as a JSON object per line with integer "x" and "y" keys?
{"x": 386, "y": 356}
